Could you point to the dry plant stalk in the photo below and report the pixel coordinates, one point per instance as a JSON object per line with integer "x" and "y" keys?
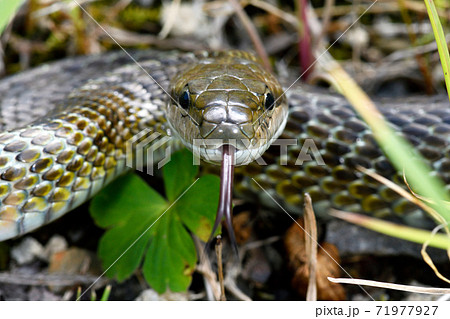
{"x": 311, "y": 248}
{"x": 251, "y": 30}
{"x": 220, "y": 268}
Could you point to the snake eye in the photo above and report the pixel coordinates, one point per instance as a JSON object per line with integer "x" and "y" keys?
{"x": 184, "y": 99}
{"x": 269, "y": 102}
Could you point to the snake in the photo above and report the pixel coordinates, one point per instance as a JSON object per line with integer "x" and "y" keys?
{"x": 65, "y": 128}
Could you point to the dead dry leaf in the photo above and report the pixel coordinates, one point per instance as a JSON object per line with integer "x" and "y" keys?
{"x": 242, "y": 227}
{"x": 327, "y": 257}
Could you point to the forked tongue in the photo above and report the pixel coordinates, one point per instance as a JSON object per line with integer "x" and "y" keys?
{"x": 226, "y": 193}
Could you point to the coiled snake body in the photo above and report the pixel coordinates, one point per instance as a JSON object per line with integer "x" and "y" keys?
{"x": 83, "y": 110}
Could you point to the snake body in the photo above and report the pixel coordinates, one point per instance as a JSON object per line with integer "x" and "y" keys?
{"x": 65, "y": 128}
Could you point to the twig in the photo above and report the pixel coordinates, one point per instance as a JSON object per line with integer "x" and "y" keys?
{"x": 204, "y": 268}
{"x": 259, "y": 243}
{"x": 326, "y": 18}
{"x": 58, "y": 6}
{"x": 41, "y": 279}
{"x": 411, "y": 52}
{"x": 233, "y": 271}
{"x": 125, "y": 37}
{"x": 220, "y": 267}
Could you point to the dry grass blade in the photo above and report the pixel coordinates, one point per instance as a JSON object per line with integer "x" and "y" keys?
{"x": 445, "y": 204}
{"x": 311, "y": 248}
{"x": 204, "y": 268}
{"x": 174, "y": 7}
{"x": 387, "y": 285}
{"x": 326, "y": 18}
{"x": 251, "y": 30}
{"x": 427, "y": 257}
{"x": 412, "y": 197}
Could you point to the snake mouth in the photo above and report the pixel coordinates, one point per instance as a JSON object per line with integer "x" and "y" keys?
{"x": 214, "y": 137}
{"x": 246, "y": 150}
{"x": 211, "y": 151}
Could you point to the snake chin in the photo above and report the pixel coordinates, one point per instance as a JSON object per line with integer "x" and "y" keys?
{"x": 214, "y": 155}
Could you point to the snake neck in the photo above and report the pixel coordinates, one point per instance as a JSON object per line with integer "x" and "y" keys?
{"x": 55, "y": 164}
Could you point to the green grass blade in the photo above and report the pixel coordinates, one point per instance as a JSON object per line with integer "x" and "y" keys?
{"x": 7, "y": 10}
{"x": 440, "y": 40}
{"x": 415, "y": 235}
{"x": 106, "y": 293}
{"x": 399, "y": 151}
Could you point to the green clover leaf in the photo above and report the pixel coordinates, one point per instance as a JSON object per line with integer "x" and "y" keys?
{"x": 140, "y": 222}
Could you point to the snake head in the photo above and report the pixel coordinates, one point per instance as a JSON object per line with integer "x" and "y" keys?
{"x": 227, "y": 100}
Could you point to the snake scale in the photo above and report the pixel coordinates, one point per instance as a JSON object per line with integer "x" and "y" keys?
{"x": 65, "y": 126}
